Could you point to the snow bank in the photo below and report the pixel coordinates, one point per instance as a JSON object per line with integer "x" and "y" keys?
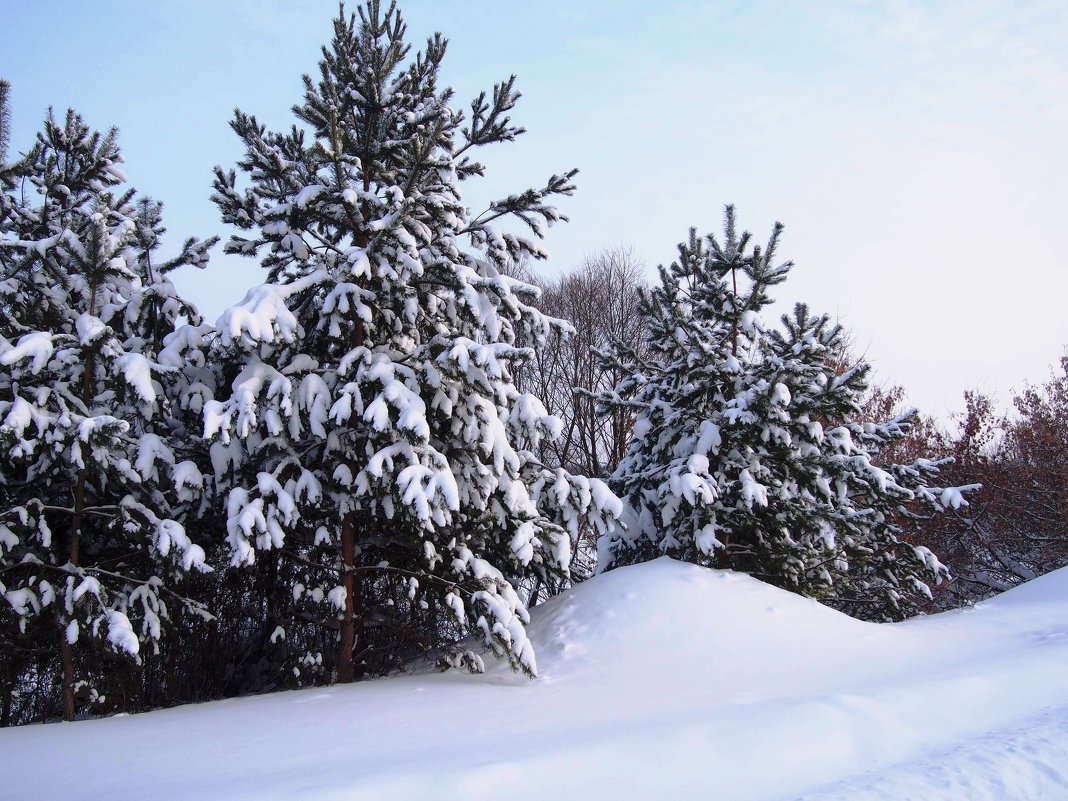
{"x": 1051, "y": 588}
{"x": 658, "y": 681}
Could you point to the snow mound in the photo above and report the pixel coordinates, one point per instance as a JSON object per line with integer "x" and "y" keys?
{"x": 1050, "y": 588}
{"x": 669, "y": 617}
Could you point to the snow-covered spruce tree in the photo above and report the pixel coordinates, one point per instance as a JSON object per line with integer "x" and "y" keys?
{"x": 743, "y": 454}
{"x": 373, "y": 445}
{"x": 94, "y": 485}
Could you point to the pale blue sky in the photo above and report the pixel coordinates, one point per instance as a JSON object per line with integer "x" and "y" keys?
{"x": 916, "y": 151}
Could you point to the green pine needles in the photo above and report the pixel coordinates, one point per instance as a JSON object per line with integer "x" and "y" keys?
{"x": 375, "y": 439}
{"x": 745, "y": 453}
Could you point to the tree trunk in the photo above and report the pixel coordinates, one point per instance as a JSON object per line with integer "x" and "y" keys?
{"x": 65, "y": 654}
{"x": 170, "y": 677}
{"x": 7, "y": 688}
{"x": 723, "y": 557}
{"x": 76, "y": 520}
{"x": 348, "y": 621}
{"x": 67, "y": 657}
{"x": 359, "y": 646}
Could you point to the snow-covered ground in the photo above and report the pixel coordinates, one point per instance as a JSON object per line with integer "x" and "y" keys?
{"x": 662, "y": 681}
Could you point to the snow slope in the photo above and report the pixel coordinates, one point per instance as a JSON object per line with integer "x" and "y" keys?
{"x": 662, "y": 681}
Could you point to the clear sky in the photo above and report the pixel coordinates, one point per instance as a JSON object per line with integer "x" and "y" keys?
{"x": 916, "y": 151}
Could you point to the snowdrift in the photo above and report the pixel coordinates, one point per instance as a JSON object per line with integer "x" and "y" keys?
{"x": 662, "y": 680}
{"x": 717, "y": 633}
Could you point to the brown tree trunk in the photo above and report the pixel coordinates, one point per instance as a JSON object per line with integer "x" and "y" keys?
{"x": 170, "y": 677}
{"x": 348, "y": 621}
{"x": 352, "y": 619}
{"x": 6, "y": 702}
{"x": 359, "y": 646}
{"x": 65, "y": 654}
{"x": 67, "y": 657}
{"x": 723, "y": 558}
{"x": 77, "y": 518}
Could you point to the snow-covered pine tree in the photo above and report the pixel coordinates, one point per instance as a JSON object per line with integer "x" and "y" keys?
{"x": 94, "y": 483}
{"x": 373, "y": 444}
{"x": 743, "y": 454}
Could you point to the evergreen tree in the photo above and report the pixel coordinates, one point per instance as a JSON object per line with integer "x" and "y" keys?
{"x": 94, "y": 483}
{"x": 369, "y": 437}
{"x": 743, "y": 454}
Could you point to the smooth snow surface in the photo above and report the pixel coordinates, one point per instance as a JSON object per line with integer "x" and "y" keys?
{"x": 661, "y": 681}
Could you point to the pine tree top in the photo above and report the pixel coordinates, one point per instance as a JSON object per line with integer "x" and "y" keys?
{"x": 379, "y": 163}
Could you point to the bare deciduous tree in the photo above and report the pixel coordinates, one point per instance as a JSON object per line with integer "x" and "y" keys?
{"x": 599, "y": 299}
